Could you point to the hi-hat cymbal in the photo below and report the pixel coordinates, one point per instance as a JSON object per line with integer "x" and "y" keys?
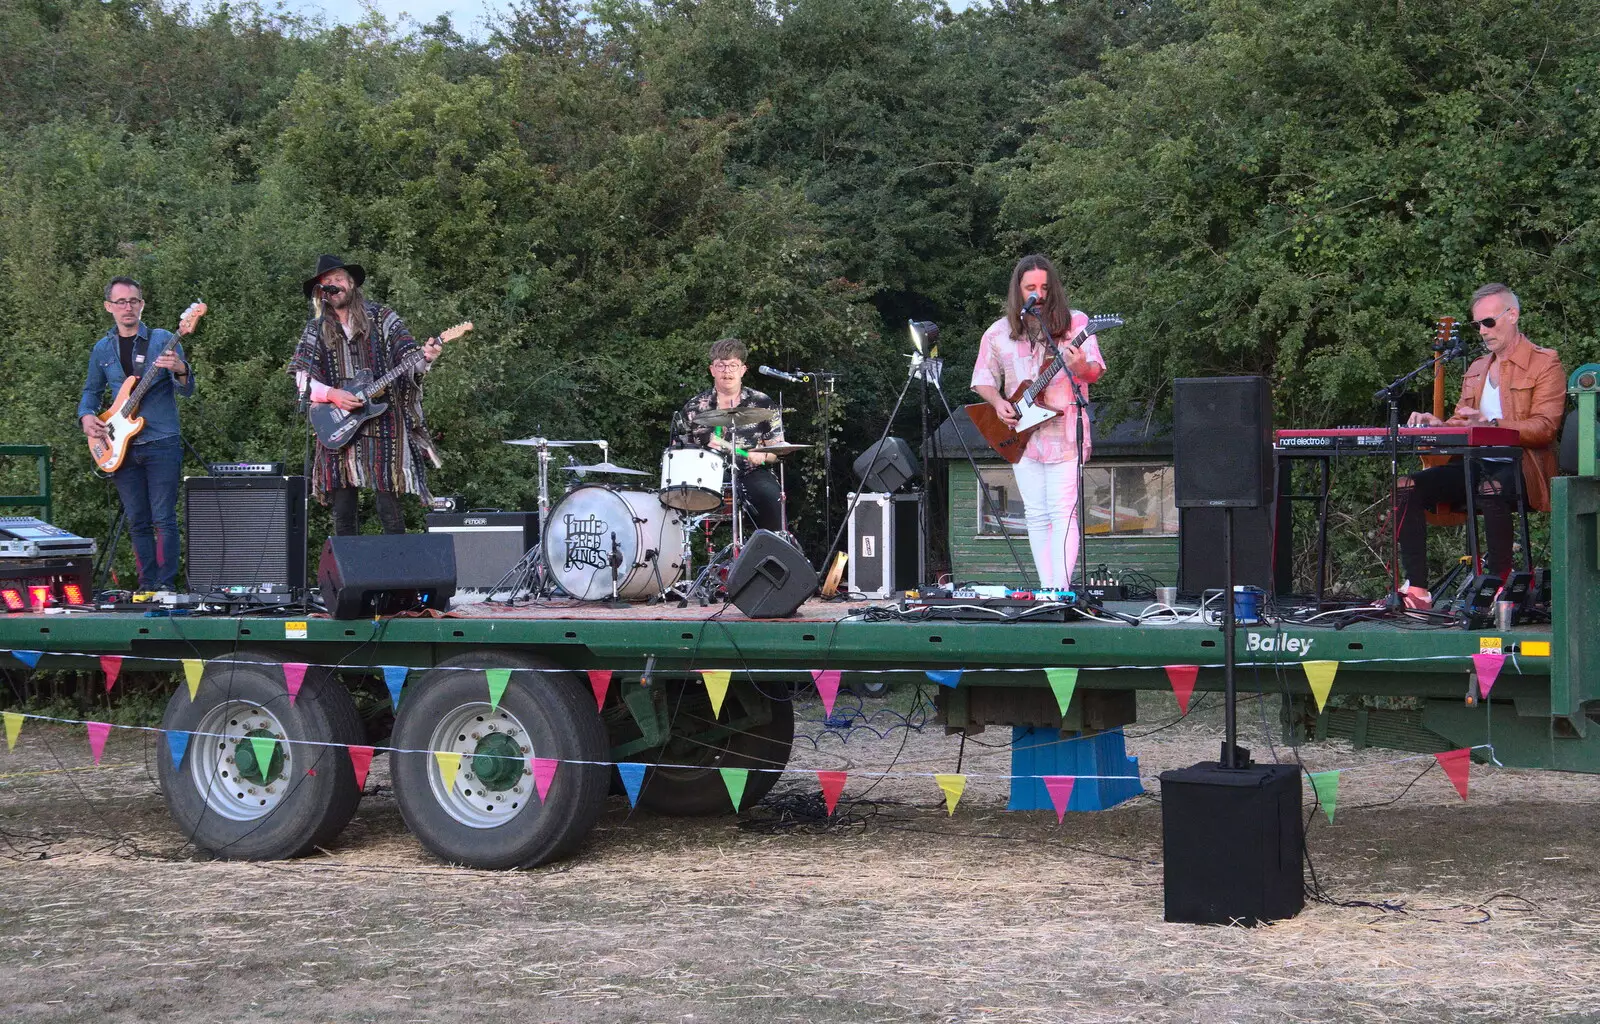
{"x": 607, "y": 467}
{"x": 744, "y": 416}
{"x": 544, "y": 442}
{"x": 781, "y": 448}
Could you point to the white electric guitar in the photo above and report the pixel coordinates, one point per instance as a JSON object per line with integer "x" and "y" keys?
{"x": 122, "y": 418}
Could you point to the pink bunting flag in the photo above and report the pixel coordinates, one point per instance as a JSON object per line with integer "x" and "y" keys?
{"x": 600, "y": 683}
{"x": 1455, "y": 764}
{"x": 294, "y": 673}
{"x": 1060, "y": 789}
{"x": 1182, "y": 679}
{"x": 827, "y": 681}
{"x": 361, "y": 761}
{"x": 1488, "y": 665}
{"x": 832, "y": 786}
{"x": 111, "y": 665}
{"x": 544, "y": 772}
{"x": 98, "y": 731}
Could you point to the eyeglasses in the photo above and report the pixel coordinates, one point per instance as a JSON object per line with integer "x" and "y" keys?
{"x": 126, "y": 303}
{"x": 726, "y": 366}
{"x": 1489, "y": 321}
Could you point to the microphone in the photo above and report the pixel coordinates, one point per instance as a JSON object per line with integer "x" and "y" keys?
{"x": 781, "y": 375}
{"x": 1033, "y": 300}
{"x": 330, "y": 289}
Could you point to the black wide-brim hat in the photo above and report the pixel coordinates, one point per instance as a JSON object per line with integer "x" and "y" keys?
{"x": 326, "y": 263}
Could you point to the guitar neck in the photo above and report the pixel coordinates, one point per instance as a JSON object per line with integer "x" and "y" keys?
{"x": 144, "y": 385}
{"x": 1055, "y": 366}
{"x": 406, "y": 366}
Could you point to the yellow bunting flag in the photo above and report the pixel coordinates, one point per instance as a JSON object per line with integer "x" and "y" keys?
{"x": 193, "y": 669}
{"x": 953, "y": 786}
{"x": 1063, "y": 681}
{"x": 1320, "y": 675}
{"x": 716, "y": 686}
{"x": 13, "y": 728}
{"x": 449, "y": 765}
{"x": 1326, "y": 786}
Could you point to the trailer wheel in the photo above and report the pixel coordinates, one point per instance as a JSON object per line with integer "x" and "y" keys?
{"x": 755, "y": 730}
{"x": 261, "y": 779}
{"x": 487, "y": 813}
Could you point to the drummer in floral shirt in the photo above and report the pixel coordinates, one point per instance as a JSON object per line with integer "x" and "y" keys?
{"x": 1015, "y": 350}
{"x": 757, "y": 485}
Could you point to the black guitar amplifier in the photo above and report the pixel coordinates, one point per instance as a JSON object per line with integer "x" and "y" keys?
{"x": 488, "y": 543}
{"x": 244, "y": 531}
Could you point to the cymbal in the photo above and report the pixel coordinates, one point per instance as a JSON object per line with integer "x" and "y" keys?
{"x": 782, "y": 448}
{"x": 740, "y": 417}
{"x": 607, "y": 467}
{"x": 544, "y": 442}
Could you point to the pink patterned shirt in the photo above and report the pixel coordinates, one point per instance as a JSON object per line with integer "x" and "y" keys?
{"x": 1004, "y": 363}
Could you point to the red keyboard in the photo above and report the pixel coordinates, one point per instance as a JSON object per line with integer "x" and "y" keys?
{"x": 1375, "y": 440}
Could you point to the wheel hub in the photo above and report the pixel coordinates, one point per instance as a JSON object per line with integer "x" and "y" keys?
{"x": 498, "y": 762}
{"x": 249, "y": 765}
{"x": 491, "y": 786}
{"x": 226, "y": 762}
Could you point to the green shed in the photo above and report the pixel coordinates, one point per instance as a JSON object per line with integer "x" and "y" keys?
{"x": 1132, "y": 520}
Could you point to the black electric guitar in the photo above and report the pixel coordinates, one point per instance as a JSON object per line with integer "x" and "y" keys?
{"x": 335, "y": 427}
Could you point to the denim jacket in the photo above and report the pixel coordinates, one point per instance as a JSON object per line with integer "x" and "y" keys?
{"x": 160, "y": 404}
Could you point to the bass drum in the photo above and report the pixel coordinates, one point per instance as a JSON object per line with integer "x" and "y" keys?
{"x": 591, "y": 522}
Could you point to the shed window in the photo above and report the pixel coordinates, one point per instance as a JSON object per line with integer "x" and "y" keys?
{"x": 1124, "y": 500}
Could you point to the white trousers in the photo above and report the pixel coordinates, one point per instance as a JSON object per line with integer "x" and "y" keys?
{"x": 1049, "y": 493}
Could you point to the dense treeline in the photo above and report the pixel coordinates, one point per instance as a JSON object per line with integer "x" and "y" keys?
{"x": 1293, "y": 187}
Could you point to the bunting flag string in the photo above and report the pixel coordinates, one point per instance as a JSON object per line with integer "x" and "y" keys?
{"x": 28, "y": 658}
{"x": 98, "y": 731}
{"x": 294, "y": 674}
{"x": 361, "y": 761}
{"x": 953, "y": 786}
{"x": 632, "y": 773}
{"x": 193, "y": 669}
{"x": 544, "y": 772}
{"x": 394, "y": 677}
{"x": 948, "y": 677}
{"x": 449, "y": 762}
{"x": 1060, "y": 789}
{"x": 1326, "y": 786}
{"x": 600, "y": 683}
{"x": 1063, "y": 681}
{"x": 716, "y": 686}
{"x": 1487, "y": 664}
{"x": 13, "y": 728}
{"x": 1182, "y": 678}
{"x": 111, "y": 665}
{"x": 827, "y": 682}
{"x": 832, "y": 785}
{"x": 734, "y": 780}
{"x": 177, "y": 744}
{"x": 498, "y": 679}
{"x": 1319, "y": 676}
{"x": 1455, "y": 764}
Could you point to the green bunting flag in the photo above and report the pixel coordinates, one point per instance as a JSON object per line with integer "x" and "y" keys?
{"x": 1326, "y": 786}
{"x": 734, "y": 779}
{"x": 497, "y": 679}
{"x": 1062, "y": 681}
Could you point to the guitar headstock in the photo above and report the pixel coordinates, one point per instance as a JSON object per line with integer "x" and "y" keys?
{"x": 1103, "y": 322}
{"x": 452, "y": 333}
{"x": 1446, "y": 331}
{"x": 191, "y": 316}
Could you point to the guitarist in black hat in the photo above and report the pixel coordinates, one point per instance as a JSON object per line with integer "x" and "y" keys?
{"x": 348, "y": 333}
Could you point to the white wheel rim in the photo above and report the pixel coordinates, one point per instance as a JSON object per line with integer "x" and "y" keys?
{"x": 240, "y": 792}
{"x": 492, "y": 786}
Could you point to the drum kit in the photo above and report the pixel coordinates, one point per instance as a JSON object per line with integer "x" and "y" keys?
{"x": 607, "y": 542}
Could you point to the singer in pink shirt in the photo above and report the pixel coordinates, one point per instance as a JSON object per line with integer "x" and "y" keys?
{"x": 1014, "y": 350}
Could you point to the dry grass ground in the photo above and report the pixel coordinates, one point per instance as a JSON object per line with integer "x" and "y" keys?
{"x": 899, "y": 913}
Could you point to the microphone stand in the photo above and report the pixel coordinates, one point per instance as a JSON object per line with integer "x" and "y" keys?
{"x": 304, "y": 408}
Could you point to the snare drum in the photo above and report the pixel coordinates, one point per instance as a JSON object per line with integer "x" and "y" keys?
{"x": 578, "y": 543}
{"x": 691, "y": 479}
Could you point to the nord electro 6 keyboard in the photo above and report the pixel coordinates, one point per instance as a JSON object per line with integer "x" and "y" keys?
{"x": 1375, "y": 440}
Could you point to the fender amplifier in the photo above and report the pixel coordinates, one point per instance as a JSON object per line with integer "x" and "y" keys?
{"x": 488, "y": 543}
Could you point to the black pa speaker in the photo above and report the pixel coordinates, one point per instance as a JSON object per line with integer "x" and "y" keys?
{"x": 244, "y": 531}
{"x": 771, "y": 577}
{"x": 1221, "y": 442}
{"x": 1231, "y": 841}
{"x": 887, "y": 466}
{"x": 1201, "y": 564}
{"x": 362, "y": 576}
{"x": 488, "y": 543}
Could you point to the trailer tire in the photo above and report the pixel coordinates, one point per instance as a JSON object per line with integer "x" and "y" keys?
{"x": 488, "y": 814}
{"x": 688, "y": 790}
{"x": 223, "y": 799}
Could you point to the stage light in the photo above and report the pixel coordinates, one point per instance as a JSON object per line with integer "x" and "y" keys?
{"x": 39, "y": 595}
{"x": 13, "y": 599}
{"x": 72, "y": 592}
{"x": 925, "y": 338}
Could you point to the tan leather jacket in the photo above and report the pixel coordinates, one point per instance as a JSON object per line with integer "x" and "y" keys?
{"x": 1533, "y": 396}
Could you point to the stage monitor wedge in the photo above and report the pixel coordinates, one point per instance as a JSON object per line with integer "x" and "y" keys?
{"x": 382, "y": 574}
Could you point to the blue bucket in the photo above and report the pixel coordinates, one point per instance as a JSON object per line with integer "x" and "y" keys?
{"x": 1247, "y": 604}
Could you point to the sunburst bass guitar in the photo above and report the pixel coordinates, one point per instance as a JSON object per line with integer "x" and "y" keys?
{"x": 336, "y": 427}
{"x": 122, "y": 418}
{"x": 1010, "y": 443}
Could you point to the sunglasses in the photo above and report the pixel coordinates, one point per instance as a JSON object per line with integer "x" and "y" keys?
{"x": 1490, "y": 321}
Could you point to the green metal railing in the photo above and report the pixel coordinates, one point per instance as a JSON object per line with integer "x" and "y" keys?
{"x": 40, "y": 500}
